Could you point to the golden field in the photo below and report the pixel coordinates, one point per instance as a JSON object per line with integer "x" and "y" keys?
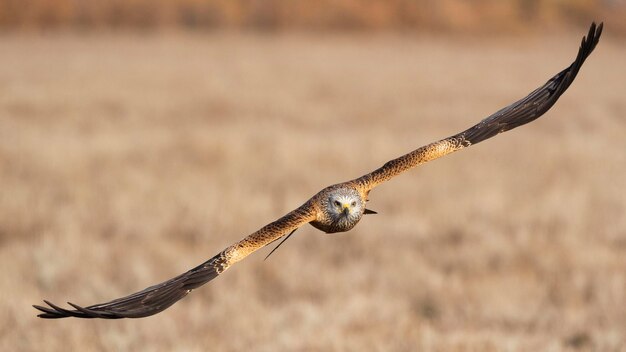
{"x": 126, "y": 159}
{"x": 454, "y": 16}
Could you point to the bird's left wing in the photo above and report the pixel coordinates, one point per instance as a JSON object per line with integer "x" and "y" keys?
{"x": 157, "y": 298}
{"x": 519, "y": 113}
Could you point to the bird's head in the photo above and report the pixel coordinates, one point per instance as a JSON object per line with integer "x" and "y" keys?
{"x": 344, "y": 207}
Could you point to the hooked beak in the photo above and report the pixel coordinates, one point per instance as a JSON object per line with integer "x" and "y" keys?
{"x": 345, "y": 209}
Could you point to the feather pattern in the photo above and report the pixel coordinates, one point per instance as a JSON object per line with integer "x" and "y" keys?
{"x": 517, "y": 114}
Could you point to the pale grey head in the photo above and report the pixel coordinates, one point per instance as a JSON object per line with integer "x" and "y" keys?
{"x": 342, "y": 209}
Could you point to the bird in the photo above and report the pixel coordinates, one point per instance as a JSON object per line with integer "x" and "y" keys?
{"x": 336, "y": 208}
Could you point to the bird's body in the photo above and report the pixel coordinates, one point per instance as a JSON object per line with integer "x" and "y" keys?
{"x": 337, "y": 208}
{"x": 340, "y": 207}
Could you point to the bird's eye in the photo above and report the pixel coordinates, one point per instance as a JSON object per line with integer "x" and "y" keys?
{"x": 354, "y": 204}
{"x": 337, "y": 203}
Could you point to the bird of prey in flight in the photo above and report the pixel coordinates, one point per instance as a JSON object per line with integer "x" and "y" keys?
{"x": 337, "y": 208}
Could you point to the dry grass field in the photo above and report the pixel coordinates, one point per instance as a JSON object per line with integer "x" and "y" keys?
{"x": 127, "y": 159}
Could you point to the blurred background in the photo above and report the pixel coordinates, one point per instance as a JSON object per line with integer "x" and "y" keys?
{"x": 139, "y": 138}
{"x": 441, "y": 15}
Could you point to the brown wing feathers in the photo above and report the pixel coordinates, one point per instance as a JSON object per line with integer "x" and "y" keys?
{"x": 149, "y": 301}
{"x": 157, "y": 298}
{"x": 519, "y": 113}
{"x": 537, "y": 102}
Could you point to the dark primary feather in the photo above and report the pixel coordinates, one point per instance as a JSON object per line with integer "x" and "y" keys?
{"x": 149, "y": 301}
{"x": 281, "y": 242}
{"x": 537, "y": 102}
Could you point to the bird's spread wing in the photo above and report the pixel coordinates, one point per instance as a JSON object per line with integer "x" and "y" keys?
{"x": 519, "y": 113}
{"x": 157, "y": 298}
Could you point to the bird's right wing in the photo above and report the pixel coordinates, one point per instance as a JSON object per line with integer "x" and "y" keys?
{"x": 519, "y": 113}
{"x": 157, "y": 298}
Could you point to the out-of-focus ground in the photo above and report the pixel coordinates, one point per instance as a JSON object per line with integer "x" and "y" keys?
{"x": 476, "y": 16}
{"x": 127, "y": 159}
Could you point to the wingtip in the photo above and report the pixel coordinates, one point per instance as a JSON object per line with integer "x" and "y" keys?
{"x": 595, "y": 31}
{"x": 47, "y": 312}
{"x": 598, "y": 31}
{"x": 588, "y": 44}
{"x": 90, "y": 313}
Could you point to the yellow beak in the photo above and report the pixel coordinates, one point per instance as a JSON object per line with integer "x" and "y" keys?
{"x": 345, "y": 208}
